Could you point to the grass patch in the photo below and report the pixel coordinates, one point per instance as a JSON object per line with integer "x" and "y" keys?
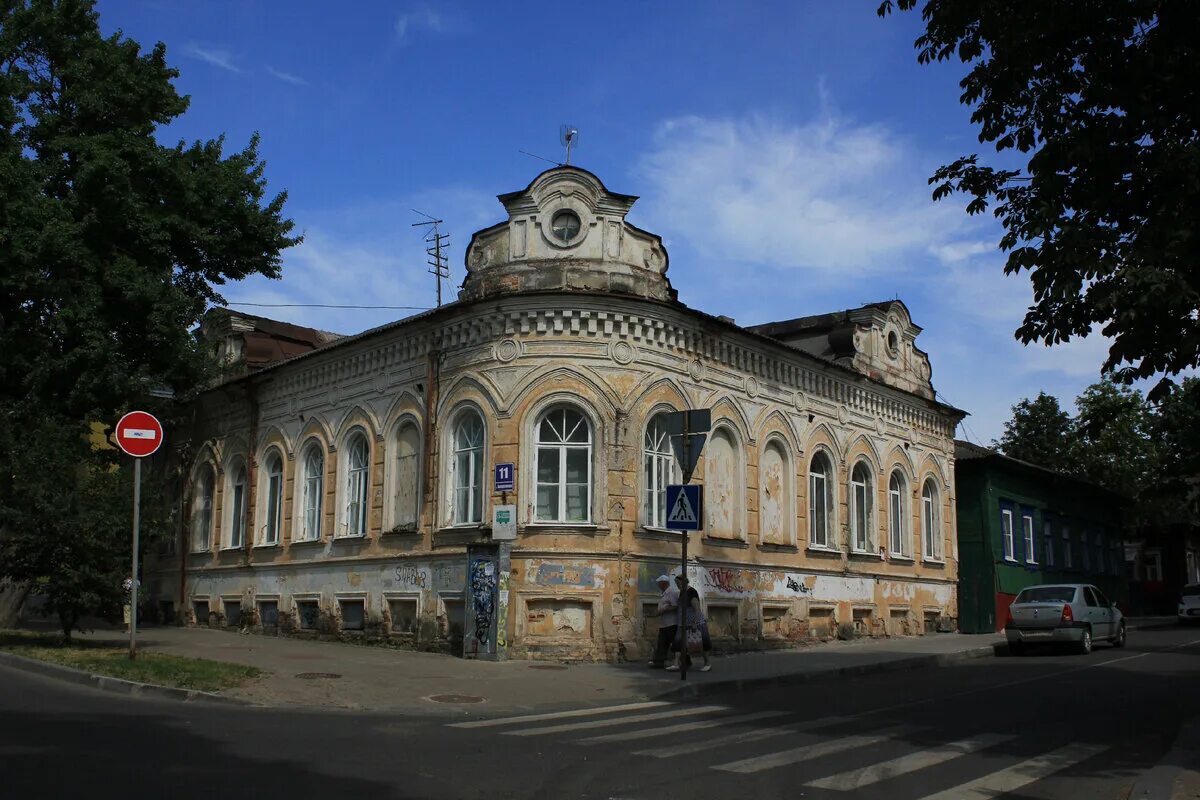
{"x": 112, "y": 659}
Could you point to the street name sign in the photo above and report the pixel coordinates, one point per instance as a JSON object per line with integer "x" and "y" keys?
{"x": 139, "y": 434}
{"x": 685, "y": 507}
{"x": 505, "y": 476}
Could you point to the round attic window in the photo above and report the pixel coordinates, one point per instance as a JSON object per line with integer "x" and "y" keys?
{"x": 565, "y": 225}
{"x": 893, "y": 344}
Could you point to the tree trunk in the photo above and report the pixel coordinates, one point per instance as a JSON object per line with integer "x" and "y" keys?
{"x": 67, "y": 620}
{"x": 12, "y": 600}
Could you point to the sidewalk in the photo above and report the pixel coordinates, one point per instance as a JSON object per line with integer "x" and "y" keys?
{"x": 379, "y": 679}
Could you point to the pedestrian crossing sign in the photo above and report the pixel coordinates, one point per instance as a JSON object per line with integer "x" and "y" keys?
{"x": 685, "y": 507}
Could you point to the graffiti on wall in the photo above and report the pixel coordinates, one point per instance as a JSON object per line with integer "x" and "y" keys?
{"x": 410, "y": 577}
{"x": 795, "y": 583}
{"x": 565, "y": 575}
{"x": 502, "y": 615}
{"x": 448, "y": 577}
{"x": 483, "y": 599}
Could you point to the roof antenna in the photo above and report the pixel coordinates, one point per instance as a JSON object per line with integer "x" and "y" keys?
{"x": 568, "y": 137}
{"x": 437, "y": 243}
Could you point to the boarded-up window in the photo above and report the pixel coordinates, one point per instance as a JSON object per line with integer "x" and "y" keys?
{"x": 723, "y": 486}
{"x": 775, "y": 504}
{"x": 408, "y": 452}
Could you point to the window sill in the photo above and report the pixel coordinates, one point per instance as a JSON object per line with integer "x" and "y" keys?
{"x": 937, "y": 562}
{"x": 233, "y": 549}
{"x": 205, "y": 552}
{"x": 1008, "y": 560}
{"x": 577, "y": 528}
{"x": 899, "y": 557}
{"x": 662, "y": 534}
{"x": 267, "y": 546}
{"x": 820, "y": 550}
{"x": 358, "y": 537}
{"x": 717, "y": 541}
{"x": 775, "y": 547}
{"x": 407, "y": 530}
{"x": 306, "y": 542}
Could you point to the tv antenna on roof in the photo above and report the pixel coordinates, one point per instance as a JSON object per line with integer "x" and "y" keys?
{"x": 568, "y": 137}
{"x": 437, "y": 242}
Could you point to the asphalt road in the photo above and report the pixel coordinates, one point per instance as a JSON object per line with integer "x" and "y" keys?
{"x": 1048, "y": 725}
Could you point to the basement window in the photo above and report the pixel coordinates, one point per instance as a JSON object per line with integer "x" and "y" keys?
{"x": 309, "y": 612}
{"x": 200, "y": 607}
{"x": 404, "y": 615}
{"x": 268, "y": 613}
{"x": 353, "y": 612}
{"x": 233, "y": 613}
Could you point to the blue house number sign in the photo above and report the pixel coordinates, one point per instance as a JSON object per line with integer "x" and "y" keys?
{"x": 504, "y": 477}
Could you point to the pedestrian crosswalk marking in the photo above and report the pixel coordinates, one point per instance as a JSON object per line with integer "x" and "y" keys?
{"x": 578, "y": 712}
{"x": 1018, "y": 775}
{"x": 604, "y": 723}
{"x": 647, "y": 733}
{"x": 857, "y": 778}
{"x": 811, "y": 751}
{"x": 755, "y": 735}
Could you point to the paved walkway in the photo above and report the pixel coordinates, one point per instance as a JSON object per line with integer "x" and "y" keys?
{"x": 380, "y": 679}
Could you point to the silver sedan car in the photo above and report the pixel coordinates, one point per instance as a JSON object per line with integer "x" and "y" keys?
{"x": 1076, "y": 614}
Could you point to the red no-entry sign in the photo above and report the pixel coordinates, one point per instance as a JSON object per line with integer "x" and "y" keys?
{"x": 139, "y": 434}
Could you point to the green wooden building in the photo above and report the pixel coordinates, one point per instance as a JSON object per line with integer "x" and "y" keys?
{"x": 1020, "y": 525}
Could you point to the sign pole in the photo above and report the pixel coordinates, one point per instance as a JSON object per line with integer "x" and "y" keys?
{"x": 681, "y": 632}
{"x": 133, "y": 589}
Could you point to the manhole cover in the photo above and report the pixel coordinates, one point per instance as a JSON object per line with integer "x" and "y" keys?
{"x": 546, "y": 666}
{"x": 455, "y": 698}
{"x": 312, "y": 676}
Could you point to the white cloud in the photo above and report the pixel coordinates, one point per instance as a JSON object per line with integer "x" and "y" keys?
{"x": 952, "y": 252}
{"x": 286, "y": 77}
{"x": 215, "y": 56}
{"x": 826, "y": 197}
{"x": 420, "y": 18}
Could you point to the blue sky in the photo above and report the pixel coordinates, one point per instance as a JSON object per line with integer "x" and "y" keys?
{"x": 780, "y": 148}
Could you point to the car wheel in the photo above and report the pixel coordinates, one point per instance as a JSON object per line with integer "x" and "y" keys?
{"x": 1085, "y": 642}
{"x": 1119, "y": 639}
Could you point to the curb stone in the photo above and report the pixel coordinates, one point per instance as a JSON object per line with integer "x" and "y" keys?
{"x": 106, "y": 683}
{"x": 796, "y": 678}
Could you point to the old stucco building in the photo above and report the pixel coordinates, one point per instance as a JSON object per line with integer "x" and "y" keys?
{"x": 348, "y": 489}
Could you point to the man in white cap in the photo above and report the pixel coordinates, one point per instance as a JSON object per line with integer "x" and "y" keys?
{"x": 668, "y": 621}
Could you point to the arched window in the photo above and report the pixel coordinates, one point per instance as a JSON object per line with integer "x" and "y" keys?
{"x": 237, "y": 507}
{"x": 313, "y": 492}
{"x": 659, "y": 469}
{"x": 564, "y": 466}
{"x": 931, "y": 522}
{"x": 202, "y": 504}
{"x": 408, "y": 473}
{"x": 274, "y": 519}
{"x": 861, "y": 507}
{"x": 820, "y": 501}
{"x": 724, "y": 486}
{"x": 358, "y": 463}
{"x": 467, "y": 467}
{"x": 897, "y": 514}
{"x": 775, "y": 504}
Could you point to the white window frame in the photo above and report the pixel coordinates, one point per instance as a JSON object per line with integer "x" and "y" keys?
{"x": 820, "y": 483}
{"x": 271, "y": 529}
{"x": 931, "y": 520}
{"x": 406, "y": 423}
{"x": 1068, "y": 560}
{"x": 236, "y": 502}
{"x": 310, "y": 498}
{"x": 1152, "y": 566}
{"x": 356, "y": 503}
{"x": 1028, "y": 539}
{"x": 1006, "y": 534}
{"x": 659, "y": 469}
{"x": 563, "y": 447}
{"x": 898, "y": 514}
{"x": 472, "y": 455}
{"x": 860, "y": 540}
{"x": 1048, "y": 538}
{"x": 203, "y": 489}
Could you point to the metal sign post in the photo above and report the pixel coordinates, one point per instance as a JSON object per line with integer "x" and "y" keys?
{"x": 688, "y": 431}
{"x": 138, "y": 434}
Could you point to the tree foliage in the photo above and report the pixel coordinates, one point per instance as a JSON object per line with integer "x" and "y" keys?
{"x": 1039, "y": 432}
{"x": 112, "y": 244}
{"x": 1101, "y": 100}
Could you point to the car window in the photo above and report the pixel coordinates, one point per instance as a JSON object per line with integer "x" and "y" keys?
{"x": 1089, "y": 597}
{"x": 1046, "y": 594}
{"x": 1191, "y": 591}
{"x": 1101, "y": 599}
